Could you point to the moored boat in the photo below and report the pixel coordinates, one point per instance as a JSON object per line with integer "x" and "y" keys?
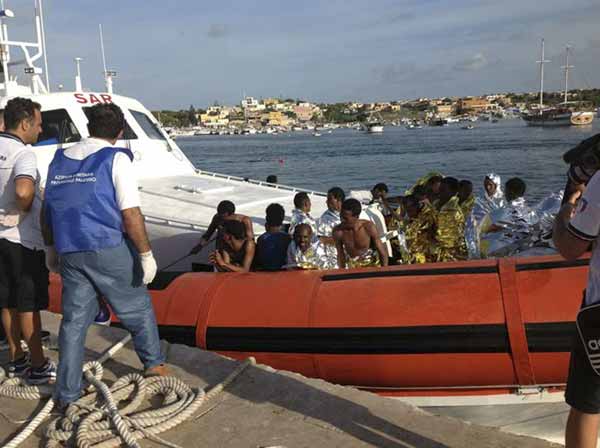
{"x": 469, "y": 329}
{"x": 569, "y": 113}
{"x": 374, "y": 128}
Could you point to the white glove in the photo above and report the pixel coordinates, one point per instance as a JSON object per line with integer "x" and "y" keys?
{"x": 52, "y": 259}
{"x": 149, "y": 267}
{"x": 11, "y": 219}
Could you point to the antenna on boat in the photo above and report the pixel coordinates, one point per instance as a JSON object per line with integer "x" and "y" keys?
{"x": 37, "y": 85}
{"x": 108, "y": 74}
{"x": 566, "y": 67}
{"x": 4, "y": 51}
{"x": 542, "y": 61}
{"x": 43, "y": 42}
{"x": 78, "y": 86}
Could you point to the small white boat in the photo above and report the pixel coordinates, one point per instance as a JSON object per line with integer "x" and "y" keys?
{"x": 316, "y": 134}
{"x": 374, "y": 128}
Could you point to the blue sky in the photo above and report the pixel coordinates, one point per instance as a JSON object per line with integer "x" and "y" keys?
{"x": 171, "y": 54}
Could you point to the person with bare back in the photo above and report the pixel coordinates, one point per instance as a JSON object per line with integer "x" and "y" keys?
{"x": 357, "y": 242}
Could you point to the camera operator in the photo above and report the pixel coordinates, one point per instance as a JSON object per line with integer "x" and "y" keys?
{"x": 575, "y": 228}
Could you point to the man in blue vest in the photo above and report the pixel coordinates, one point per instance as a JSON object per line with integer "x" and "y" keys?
{"x": 93, "y": 220}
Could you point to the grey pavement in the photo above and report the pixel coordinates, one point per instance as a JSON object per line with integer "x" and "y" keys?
{"x": 268, "y": 408}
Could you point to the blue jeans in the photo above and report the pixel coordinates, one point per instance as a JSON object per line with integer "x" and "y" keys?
{"x": 116, "y": 274}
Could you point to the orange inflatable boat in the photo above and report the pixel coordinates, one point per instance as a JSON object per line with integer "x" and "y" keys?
{"x": 476, "y": 327}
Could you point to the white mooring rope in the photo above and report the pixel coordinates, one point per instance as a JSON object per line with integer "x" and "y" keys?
{"x": 95, "y": 419}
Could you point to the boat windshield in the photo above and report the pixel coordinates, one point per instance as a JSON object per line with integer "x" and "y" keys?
{"x": 57, "y": 128}
{"x": 149, "y": 127}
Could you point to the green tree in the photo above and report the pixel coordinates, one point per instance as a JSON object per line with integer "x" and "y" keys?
{"x": 192, "y": 118}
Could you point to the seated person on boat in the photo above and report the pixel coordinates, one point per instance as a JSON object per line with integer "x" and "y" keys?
{"x": 238, "y": 251}
{"x": 418, "y": 230}
{"x": 504, "y": 227}
{"x": 271, "y": 247}
{"x": 301, "y": 214}
{"x": 450, "y": 223}
{"x": 493, "y": 197}
{"x": 306, "y": 252}
{"x": 357, "y": 241}
{"x": 225, "y": 212}
{"x": 389, "y": 206}
{"x": 328, "y": 220}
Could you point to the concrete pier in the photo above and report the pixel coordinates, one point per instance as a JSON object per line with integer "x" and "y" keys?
{"x": 268, "y": 408}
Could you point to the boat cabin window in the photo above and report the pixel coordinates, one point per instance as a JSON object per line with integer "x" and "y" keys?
{"x": 147, "y": 125}
{"x": 128, "y": 133}
{"x": 57, "y": 127}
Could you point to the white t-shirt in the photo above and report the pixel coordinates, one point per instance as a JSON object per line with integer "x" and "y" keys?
{"x": 123, "y": 174}
{"x": 585, "y": 225}
{"x": 19, "y": 161}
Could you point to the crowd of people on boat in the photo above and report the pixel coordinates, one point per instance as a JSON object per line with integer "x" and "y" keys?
{"x": 438, "y": 219}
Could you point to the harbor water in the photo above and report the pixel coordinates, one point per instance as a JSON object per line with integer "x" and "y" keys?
{"x": 356, "y": 160}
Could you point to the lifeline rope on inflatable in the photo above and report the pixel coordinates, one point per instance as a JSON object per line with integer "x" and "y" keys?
{"x": 93, "y": 419}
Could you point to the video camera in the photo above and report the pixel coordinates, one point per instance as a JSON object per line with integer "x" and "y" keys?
{"x": 583, "y": 160}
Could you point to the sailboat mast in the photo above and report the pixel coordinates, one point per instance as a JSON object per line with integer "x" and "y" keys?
{"x": 542, "y": 61}
{"x": 567, "y": 67}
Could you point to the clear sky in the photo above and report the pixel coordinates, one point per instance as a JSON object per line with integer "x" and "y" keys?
{"x": 171, "y": 54}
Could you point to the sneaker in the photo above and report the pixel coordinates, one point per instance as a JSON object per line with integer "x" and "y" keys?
{"x": 159, "y": 370}
{"x": 42, "y": 375}
{"x": 103, "y": 316}
{"x": 18, "y": 367}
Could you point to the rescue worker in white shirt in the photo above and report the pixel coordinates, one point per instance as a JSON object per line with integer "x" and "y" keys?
{"x": 301, "y": 214}
{"x": 23, "y": 275}
{"x": 93, "y": 220}
{"x": 328, "y": 220}
{"x": 576, "y": 227}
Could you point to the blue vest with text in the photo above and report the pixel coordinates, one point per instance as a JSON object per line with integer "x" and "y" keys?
{"x": 81, "y": 205}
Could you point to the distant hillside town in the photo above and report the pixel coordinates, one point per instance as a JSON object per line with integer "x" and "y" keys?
{"x": 276, "y": 114}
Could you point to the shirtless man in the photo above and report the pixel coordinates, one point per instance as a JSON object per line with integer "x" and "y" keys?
{"x": 225, "y": 212}
{"x": 357, "y": 241}
{"x": 238, "y": 253}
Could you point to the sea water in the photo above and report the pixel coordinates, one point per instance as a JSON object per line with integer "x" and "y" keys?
{"x": 356, "y": 160}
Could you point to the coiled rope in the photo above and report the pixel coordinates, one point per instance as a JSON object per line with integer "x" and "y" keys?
{"x": 96, "y": 420}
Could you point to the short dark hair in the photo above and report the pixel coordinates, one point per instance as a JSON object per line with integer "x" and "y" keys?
{"x": 352, "y": 205}
{"x": 17, "y": 110}
{"x": 381, "y": 187}
{"x": 272, "y": 179}
{"x": 235, "y": 228}
{"x": 515, "y": 187}
{"x": 105, "y": 120}
{"x": 434, "y": 179}
{"x": 465, "y": 183}
{"x": 226, "y": 207}
{"x": 275, "y": 214}
{"x": 411, "y": 199}
{"x": 420, "y": 191}
{"x": 303, "y": 226}
{"x": 452, "y": 183}
{"x": 300, "y": 199}
{"x": 337, "y": 193}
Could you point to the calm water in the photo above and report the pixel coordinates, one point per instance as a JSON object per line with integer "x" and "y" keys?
{"x": 356, "y": 160}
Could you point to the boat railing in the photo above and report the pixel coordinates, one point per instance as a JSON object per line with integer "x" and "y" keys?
{"x": 259, "y": 183}
{"x": 172, "y": 222}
